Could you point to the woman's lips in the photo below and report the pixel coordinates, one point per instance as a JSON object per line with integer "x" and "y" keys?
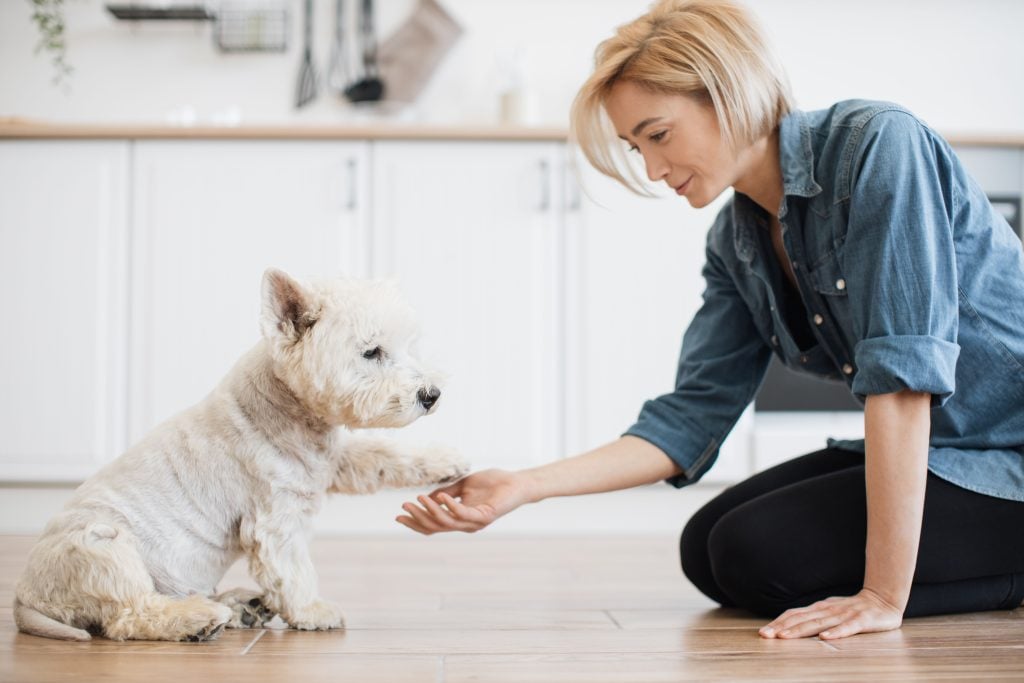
{"x": 682, "y": 188}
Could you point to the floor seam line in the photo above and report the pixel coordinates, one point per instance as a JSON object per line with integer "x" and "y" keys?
{"x": 830, "y": 646}
{"x": 254, "y": 641}
{"x": 614, "y": 620}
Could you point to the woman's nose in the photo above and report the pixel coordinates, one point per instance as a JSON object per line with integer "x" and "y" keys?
{"x": 656, "y": 168}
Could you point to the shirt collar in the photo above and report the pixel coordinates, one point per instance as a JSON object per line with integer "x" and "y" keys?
{"x": 796, "y": 158}
{"x": 796, "y": 161}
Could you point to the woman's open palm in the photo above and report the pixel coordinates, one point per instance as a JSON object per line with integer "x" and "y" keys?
{"x": 469, "y": 504}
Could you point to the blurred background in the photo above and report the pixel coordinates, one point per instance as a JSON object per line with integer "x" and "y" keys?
{"x": 958, "y": 65}
{"x": 156, "y": 157}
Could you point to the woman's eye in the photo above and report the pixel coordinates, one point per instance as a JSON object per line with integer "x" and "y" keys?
{"x": 634, "y": 148}
{"x": 372, "y": 354}
{"x": 657, "y": 137}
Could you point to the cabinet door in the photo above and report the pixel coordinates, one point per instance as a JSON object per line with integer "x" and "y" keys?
{"x": 471, "y": 231}
{"x": 210, "y": 217}
{"x": 633, "y": 279}
{"x": 62, "y": 273}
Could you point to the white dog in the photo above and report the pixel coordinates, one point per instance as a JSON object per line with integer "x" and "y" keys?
{"x": 141, "y": 546}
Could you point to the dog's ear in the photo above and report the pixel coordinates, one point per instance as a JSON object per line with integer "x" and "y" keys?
{"x": 288, "y": 309}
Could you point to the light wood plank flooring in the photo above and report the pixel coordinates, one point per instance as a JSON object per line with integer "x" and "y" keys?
{"x": 499, "y": 609}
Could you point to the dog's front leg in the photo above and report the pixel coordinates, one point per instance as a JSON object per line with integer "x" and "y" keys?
{"x": 364, "y": 464}
{"x": 279, "y": 561}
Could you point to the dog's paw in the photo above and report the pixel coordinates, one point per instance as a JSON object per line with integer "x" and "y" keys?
{"x": 319, "y": 615}
{"x": 247, "y": 608}
{"x": 205, "y": 624}
{"x": 440, "y": 465}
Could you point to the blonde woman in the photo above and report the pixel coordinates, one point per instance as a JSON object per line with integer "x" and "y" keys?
{"x": 856, "y": 248}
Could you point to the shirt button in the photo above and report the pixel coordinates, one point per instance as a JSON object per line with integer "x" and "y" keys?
{"x": 803, "y": 359}
{"x": 847, "y": 369}
{"x": 796, "y": 266}
{"x": 775, "y": 340}
{"x": 818, "y": 319}
{"x": 840, "y": 284}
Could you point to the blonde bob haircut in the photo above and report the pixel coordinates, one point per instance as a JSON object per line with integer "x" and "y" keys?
{"x": 713, "y": 50}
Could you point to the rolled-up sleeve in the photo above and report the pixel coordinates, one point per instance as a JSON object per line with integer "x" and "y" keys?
{"x": 721, "y": 365}
{"x": 899, "y": 252}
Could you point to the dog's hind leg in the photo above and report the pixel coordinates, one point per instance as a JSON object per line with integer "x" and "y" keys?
{"x": 161, "y": 617}
{"x": 138, "y": 612}
{"x": 247, "y": 607}
{"x": 91, "y": 576}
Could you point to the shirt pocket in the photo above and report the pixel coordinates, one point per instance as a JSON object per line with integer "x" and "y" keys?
{"x": 831, "y": 292}
{"x": 827, "y": 277}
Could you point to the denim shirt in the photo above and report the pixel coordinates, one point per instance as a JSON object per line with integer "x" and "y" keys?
{"x": 910, "y": 280}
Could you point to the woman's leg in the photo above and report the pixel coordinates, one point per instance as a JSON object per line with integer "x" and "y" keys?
{"x": 693, "y": 545}
{"x": 805, "y": 542}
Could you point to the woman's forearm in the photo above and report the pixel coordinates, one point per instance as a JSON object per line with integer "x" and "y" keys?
{"x": 624, "y": 463}
{"x": 896, "y": 431}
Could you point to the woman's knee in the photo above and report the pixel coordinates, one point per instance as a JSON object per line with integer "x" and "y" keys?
{"x": 746, "y": 564}
{"x": 694, "y": 557}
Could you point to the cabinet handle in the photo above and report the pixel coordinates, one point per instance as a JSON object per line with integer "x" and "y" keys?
{"x": 576, "y": 193}
{"x": 353, "y": 185}
{"x": 545, "y": 186}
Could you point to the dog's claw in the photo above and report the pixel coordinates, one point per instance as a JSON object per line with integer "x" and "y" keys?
{"x": 208, "y": 633}
{"x": 249, "y": 609}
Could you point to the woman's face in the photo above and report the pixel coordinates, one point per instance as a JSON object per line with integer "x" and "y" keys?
{"x": 679, "y": 139}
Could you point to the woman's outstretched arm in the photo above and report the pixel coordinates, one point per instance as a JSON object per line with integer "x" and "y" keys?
{"x": 475, "y": 501}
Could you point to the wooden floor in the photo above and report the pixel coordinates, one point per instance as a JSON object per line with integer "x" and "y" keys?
{"x": 501, "y": 609}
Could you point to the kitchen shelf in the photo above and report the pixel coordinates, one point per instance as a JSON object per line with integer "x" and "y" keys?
{"x": 133, "y": 11}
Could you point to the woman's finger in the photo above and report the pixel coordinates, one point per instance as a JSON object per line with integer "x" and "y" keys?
{"x": 411, "y": 523}
{"x": 453, "y": 489}
{"x": 465, "y": 513}
{"x": 421, "y": 517}
{"x": 810, "y": 626}
{"x": 780, "y": 622}
{"x": 441, "y": 515}
{"x": 792, "y": 618}
{"x": 849, "y": 627}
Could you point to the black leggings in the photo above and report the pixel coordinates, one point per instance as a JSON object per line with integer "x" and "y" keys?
{"x": 795, "y": 534}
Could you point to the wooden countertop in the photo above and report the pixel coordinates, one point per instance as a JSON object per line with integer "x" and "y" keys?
{"x": 27, "y": 129}
{"x": 14, "y": 128}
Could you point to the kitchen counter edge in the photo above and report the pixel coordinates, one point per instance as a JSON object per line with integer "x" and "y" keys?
{"x": 15, "y": 129}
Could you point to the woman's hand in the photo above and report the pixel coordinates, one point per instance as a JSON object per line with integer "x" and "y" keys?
{"x": 469, "y": 504}
{"x": 865, "y": 612}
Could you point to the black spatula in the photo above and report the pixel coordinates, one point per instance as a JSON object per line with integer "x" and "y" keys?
{"x": 369, "y": 87}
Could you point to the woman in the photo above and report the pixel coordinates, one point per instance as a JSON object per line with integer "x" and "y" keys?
{"x": 857, "y": 248}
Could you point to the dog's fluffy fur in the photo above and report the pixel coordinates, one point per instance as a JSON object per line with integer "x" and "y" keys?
{"x": 138, "y": 551}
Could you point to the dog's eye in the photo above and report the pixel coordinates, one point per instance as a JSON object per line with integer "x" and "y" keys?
{"x": 372, "y": 354}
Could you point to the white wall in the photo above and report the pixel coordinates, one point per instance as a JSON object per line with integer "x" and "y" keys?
{"x": 959, "y": 65}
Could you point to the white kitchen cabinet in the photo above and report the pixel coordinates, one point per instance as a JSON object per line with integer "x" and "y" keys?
{"x": 633, "y": 279}
{"x": 63, "y": 282}
{"x": 554, "y": 313}
{"x": 209, "y": 217}
{"x": 472, "y": 231}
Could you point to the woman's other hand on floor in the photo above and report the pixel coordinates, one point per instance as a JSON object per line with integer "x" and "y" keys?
{"x": 865, "y": 612}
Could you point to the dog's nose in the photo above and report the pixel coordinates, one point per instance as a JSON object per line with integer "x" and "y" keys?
{"x": 428, "y": 397}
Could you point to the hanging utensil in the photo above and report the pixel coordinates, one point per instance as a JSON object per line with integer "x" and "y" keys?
{"x": 337, "y": 70}
{"x": 307, "y": 85}
{"x": 369, "y": 87}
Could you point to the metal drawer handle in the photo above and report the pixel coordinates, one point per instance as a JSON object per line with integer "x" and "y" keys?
{"x": 353, "y": 185}
{"x": 545, "y": 186}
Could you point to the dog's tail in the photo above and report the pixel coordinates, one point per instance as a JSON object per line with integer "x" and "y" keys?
{"x": 36, "y": 623}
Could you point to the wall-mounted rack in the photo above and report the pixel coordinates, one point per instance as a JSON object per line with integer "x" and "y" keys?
{"x": 135, "y": 11}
